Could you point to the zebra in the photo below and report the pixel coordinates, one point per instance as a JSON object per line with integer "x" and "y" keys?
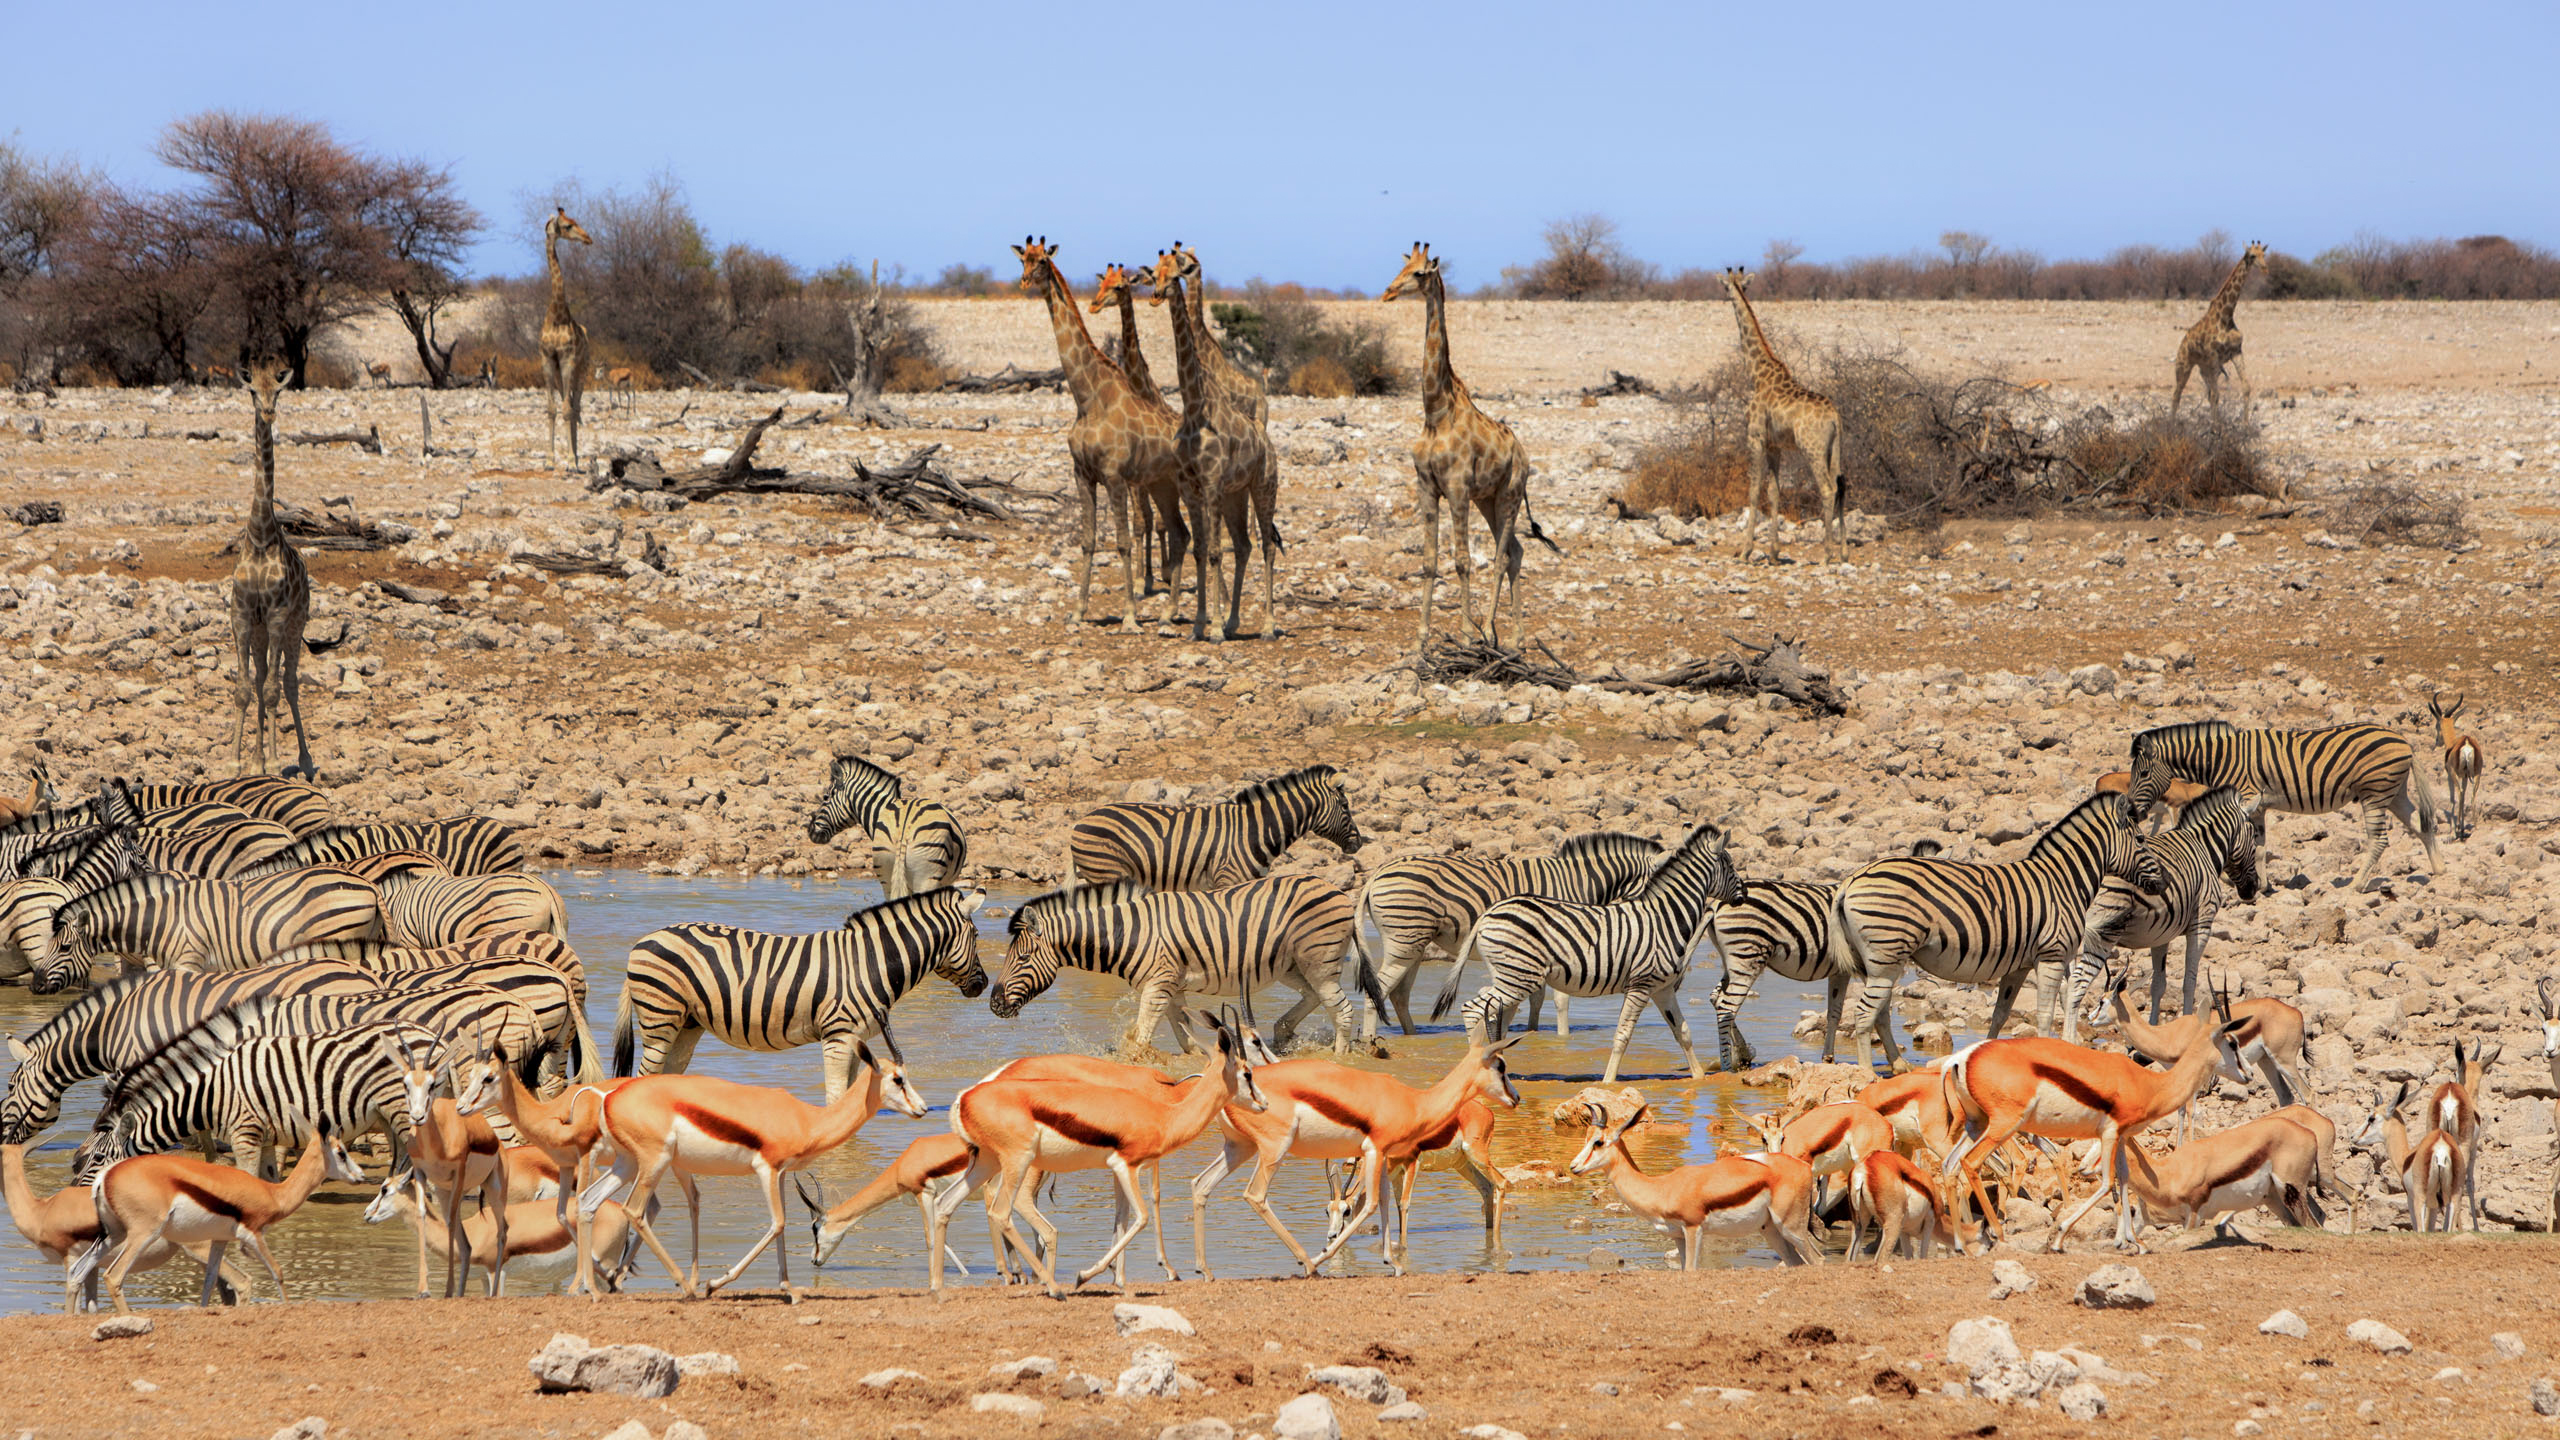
{"x": 760, "y": 991}
{"x": 2308, "y": 772}
{"x": 481, "y": 1017}
{"x": 207, "y": 924}
{"x": 116, "y": 1025}
{"x": 1983, "y": 924}
{"x": 114, "y": 805}
{"x": 472, "y": 846}
{"x": 1785, "y": 926}
{"x": 1638, "y": 948}
{"x": 27, "y": 908}
{"x": 297, "y": 807}
{"x": 1206, "y": 847}
{"x": 1171, "y": 945}
{"x": 557, "y": 1018}
{"x": 255, "y": 1090}
{"x": 82, "y": 857}
{"x": 916, "y": 845}
{"x": 382, "y": 957}
{"x": 428, "y": 911}
{"x": 214, "y": 852}
{"x": 2216, "y": 837}
{"x": 1431, "y": 902}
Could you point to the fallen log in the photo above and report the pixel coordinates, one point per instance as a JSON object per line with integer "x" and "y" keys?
{"x": 335, "y": 526}
{"x": 1011, "y": 380}
{"x": 366, "y": 439}
{"x": 1777, "y": 668}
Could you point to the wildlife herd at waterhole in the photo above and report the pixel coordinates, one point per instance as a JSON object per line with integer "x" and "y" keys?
{"x": 296, "y": 978}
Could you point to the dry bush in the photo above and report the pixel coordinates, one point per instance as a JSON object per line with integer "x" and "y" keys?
{"x": 1322, "y": 378}
{"x": 2392, "y": 511}
{"x": 917, "y": 373}
{"x": 2164, "y": 463}
{"x": 1276, "y": 329}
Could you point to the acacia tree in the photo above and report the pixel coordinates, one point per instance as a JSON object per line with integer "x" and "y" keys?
{"x": 132, "y": 288}
{"x": 426, "y": 227}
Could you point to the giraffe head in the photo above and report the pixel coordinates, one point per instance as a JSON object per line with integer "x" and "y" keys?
{"x": 266, "y": 378}
{"x": 1736, "y": 280}
{"x": 1418, "y": 263}
{"x": 2256, "y": 254}
{"x": 1112, "y": 286}
{"x": 1175, "y": 264}
{"x": 561, "y": 227}
{"x": 1037, "y": 255}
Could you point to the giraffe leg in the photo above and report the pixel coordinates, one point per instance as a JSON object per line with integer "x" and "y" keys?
{"x": 1086, "y": 480}
{"x": 1755, "y": 446}
{"x": 1240, "y": 539}
{"x": 1177, "y": 547}
{"x": 1129, "y": 559}
{"x": 2178, "y": 391}
{"x": 2240, "y": 372}
{"x": 551, "y": 400}
{"x": 1427, "y": 497}
{"x": 2210, "y": 372}
{"x": 291, "y": 663}
{"x": 1206, "y": 566}
{"x": 243, "y": 693}
{"x": 1462, "y": 555}
{"x": 263, "y": 688}
{"x": 1826, "y": 478}
{"x": 1266, "y": 502}
{"x": 577, "y": 379}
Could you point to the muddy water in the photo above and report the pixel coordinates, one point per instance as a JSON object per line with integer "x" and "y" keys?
{"x": 328, "y": 1251}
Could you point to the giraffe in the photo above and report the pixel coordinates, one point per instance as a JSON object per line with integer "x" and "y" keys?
{"x": 1224, "y": 448}
{"x": 2214, "y": 341}
{"x": 1118, "y": 442}
{"x": 270, "y": 592}
{"x": 1158, "y": 506}
{"x": 564, "y": 340}
{"x": 1784, "y": 413}
{"x": 1463, "y": 455}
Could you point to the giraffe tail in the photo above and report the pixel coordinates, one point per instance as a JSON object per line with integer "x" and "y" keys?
{"x": 1271, "y": 536}
{"x": 1535, "y": 531}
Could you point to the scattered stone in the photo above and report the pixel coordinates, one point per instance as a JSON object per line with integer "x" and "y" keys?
{"x": 2546, "y": 1398}
{"x": 629, "y": 1430}
{"x": 1134, "y": 1319}
{"x": 1076, "y": 1385}
{"x": 2008, "y": 1278}
{"x": 883, "y": 1379}
{"x": 997, "y": 1402}
{"x": 1492, "y": 1432}
{"x": 2246, "y": 1428}
{"x": 684, "y": 1430}
{"x": 2380, "y": 1336}
{"x": 2450, "y": 1375}
{"x": 1604, "y": 1258}
{"x": 1401, "y": 1411}
{"x": 1028, "y": 1365}
{"x": 2285, "y": 1322}
{"x": 1975, "y": 1344}
{"x": 706, "y": 1362}
{"x": 1309, "y": 1417}
{"x": 1365, "y": 1383}
{"x": 2052, "y": 1370}
{"x": 309, "y": 1427}
{"x": 2116, "y": 1287}
{"x": 1206, "y": 1428}
{"x": 2081, "y": 1400}
{"x": 1154, "y": 1372}
{"x": 145, "y": 1387}
{"x": 2508, "y": 1344}
{"x": 122, "y": 1327}
{"x": 567, "y": 1362}
{"x": 1604, "y": 1387}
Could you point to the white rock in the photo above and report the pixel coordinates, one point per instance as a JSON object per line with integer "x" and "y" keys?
{"x": 2116, "y": 1287}
{"x": 144, "y": 1387}
{"x": 122, "y": 1327}
{"x": 706, "y": 1362}
{"x": 629, "y": 1430}
{"x": 1405, "y": 1410}
{"x": 567, "y": 1362}
{"x": 1020, "y": 1407}
{"x": 1497, "y": 1432}
{"x": 1132, "y": 1319}
{"x": 2450, "y": 1375}
{"x": 2245, "y": 1428}
{"x": 883, "y": 1379}
{"x": 2008, "y": 1278}
{"x": 1981, "y": 1344}
{"x": 684, "y": 1430}
{"x": 1075, "y": 1385}
{"x": 2508, "y": 1344}
{"x": 1309, "y": 1417}
{"x": 2284, "y": 1322}
{"x": 2082, "y": 1401}
{"x": 1365, "y": 1383}
{"x": 2546, "y": 1398}
{"x": 1027, "y": 1365}
{"x": 1154, "y": 1372}
{"x": 1206, "y": 1428}
{"x": 309, "y": 1427}
{"x": 2380, "y": 1336}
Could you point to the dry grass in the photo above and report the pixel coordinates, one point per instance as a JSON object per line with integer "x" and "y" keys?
{"x": 2391, "y": 511}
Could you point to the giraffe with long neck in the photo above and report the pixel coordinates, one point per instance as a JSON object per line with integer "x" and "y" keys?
{"x": 2214, "y": 341}
{"x": 1784, "y": 414}
{"x": 1117, "y": 443}
{"x": 1463, "y": 457}
{"x": 1159, "y": 507}
{"x": 564, "y": 340}
{"x": 270, "y": 592}
{"x": 1224, "y": 449}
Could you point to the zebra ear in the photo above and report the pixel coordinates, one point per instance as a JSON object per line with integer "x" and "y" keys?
{"x": 975, "y": 899}
{"x": 18, "y": 1050}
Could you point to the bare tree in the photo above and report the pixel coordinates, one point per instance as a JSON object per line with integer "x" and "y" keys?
{"x": 1584, "y": 261}
{"x": 43, "y": 205}
{"x": 1777, "y": 265}
{"x": 133, "y": 286}
{"x": 426, "y": 227}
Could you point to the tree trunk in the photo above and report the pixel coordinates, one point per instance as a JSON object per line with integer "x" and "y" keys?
{"x": 420, "y": 318}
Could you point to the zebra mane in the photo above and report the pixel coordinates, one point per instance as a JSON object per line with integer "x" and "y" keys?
{"x": 1294, "y": 781}
{"x": 1707, "y": 834}
{"x": 2148, "y": 740}
{"x": 2079, "y": 818}
{"x": 82, "y": 1005}
{"x": 185, "y": 1056}
{"x": 848, "y": 766}
{"x": 1073, "y": 900}
{"x": 921, "y": 900}
{"x": 1609, "y": 844}
{"x": 2221, "y": 806}
{"x": 131, "y": 884}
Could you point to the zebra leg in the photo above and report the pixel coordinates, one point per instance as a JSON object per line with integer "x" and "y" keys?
{"x": 1309, "y": 998}
{"x": 1732, "y": 1051}
{"x": 1874, "y": 996}
{"x": 1537, "y": 1007}
{"x": 2001, "y": 1004}
{"x": 1155, "y": 996}
{"x": 2377, "y": 835}
{"x": 1628, "y": 1013}
{"x": 1667, "y": 999}
{"x": 2052, "y": 981}
{"x": 1564, "y": 1013}
{"x": 836, "y": 1055}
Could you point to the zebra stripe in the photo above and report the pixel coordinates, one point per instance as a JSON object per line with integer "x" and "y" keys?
{"x": 1206, "y": 847}
{"x": 1638, "y": 948}
{"x": 82, "y": 857}
{"x": 114, "y": 806}
{"x": 1431, "y": 902}
{"x": 426, "y": 912}
{"x": 485, "y": 1017}
{"x": 540, "y": 970}
{"x": 1785, "y": 926}
{"x": 916, "y": 845}
{"x": 214, "y": 852}
{"x": 382, "y": 957}
{"x": 1171, "y": 945}
{"x": 27, "y": 908}
{"x": 1984, "y": 924}
{"x": 2308, "y": 772}
{"x": 119, "y": 1024}
{"x": 297, "y": 807}
{"x": 255, "y": 1090}
{"x": 760, "y": 991}
{"x": 2216, "y": 837}
{"x": 472, "y": 846}
{"x": 208, "y": 924}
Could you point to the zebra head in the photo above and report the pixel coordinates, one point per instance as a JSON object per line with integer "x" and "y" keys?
{"x": 30, "y": 907}
{"x": 856, "y": 791}
{"x": 2119, "y": 848}
{"x": 2248, "y": 838}
{"x": 1697, "y": 869}
{"x": 1605, "y": 1133}
{"x": 2151, "y": 774}
{"x": 74, "y": 952}
{"x": 1030, "y": 954}
{"x": 108, "y": 1141}
{"x": 1332, "y": 818}
{"x": 958, "y": 960}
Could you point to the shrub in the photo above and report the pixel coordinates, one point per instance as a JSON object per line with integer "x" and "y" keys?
{"x": 1584, "y": 261}
{"x": 1276, "y": 329}
{"x": 2395, "y": 512}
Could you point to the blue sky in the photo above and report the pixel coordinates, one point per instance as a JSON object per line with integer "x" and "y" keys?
{"x": 1313, "y": 143}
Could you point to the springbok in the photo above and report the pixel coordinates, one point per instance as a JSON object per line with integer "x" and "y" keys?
{"x": 62, "y": 1226}
{"x": 2269, "y": 1038}
{"x": 149, "y": 1200}
{"x": 565, "y": 1130}
{"x": 532, "y": 1241}
{"x": 2430, "y": 1172}
{"x": 1903, "y": 1203}
{"x": 1766, "y": 1195}
{"x": 929, "y": 1165}
{"x": 1470, "y": 1133}
{"x": 2453, "y": 1107}
{"x": 2461, "y": 762}
{"x": 2271, "y": 1163}
{"x": 1831, "y": 1139}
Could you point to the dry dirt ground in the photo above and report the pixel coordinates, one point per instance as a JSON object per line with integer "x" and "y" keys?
{"x": 1838, "y": 1350}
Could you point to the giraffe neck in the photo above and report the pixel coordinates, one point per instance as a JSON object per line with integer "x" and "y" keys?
{"x": 1441, "y": 391}
{"x": 1133, "y": 361}
{"x": 1088, "y": 373}
{"x": 1188, "y": 365}
{"x": 2227, "y": 299}
{"x": 1766, "y": 367}
{"x": 559, "y": 313}
{"x": 264, "y": 534}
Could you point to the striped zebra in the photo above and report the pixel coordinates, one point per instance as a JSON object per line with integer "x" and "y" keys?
{"x": 760, "y": 991}
{"x": 297, "y": 807}
{"x": 1785, "y": 926}
{"x": 1984, "y": 924}
{"x": 207, "y": 924}
{"x": 117, "y": 1025}
{"x": 538, "y": 970}
{"x": 916, "y": 845}
{"x": 214, "y": 852}
{"x": 1172, "y": 945}
{"x": 1206, "y": 847}
{"x": 114, "y": 805}
{"x": 256, "y": 1091}
{"x": 27, "y": 908}
{"x": 2216, "y": 838}
{"x": 2308, "y": 772}
{"x": 82, "y": 857}
{"x": 464, "y": 1016}
{"x": 1430, "y": 902}
{"x": 1638, "y": 948}
{"x": 473, "y": 846}
{"x": 428, "y": 911}
{"x": 383, "y": 957}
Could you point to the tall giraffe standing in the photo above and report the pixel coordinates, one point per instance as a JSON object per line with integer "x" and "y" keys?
{"x": 1159, "y": 507}
{"x": 1224, "y": 448}
{"x": 1784, "y": 413}
{"x": 2214, "y": 341}
{"x": 1118, "y": 442}
{"x": 1463, "y": 456}
{"x": 564, "y": 340}
{"x": 270, "y": 592}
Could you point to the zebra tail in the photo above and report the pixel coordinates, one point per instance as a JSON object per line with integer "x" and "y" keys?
{"x": 2426, "y": 797}
{"x": 528, "y": 1066}
{"x": 1448, "y": 1000}
{"x": 626, "y": 1036}
{"x": 1365, "y": 976}
{"x": 583, "y": 1064}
